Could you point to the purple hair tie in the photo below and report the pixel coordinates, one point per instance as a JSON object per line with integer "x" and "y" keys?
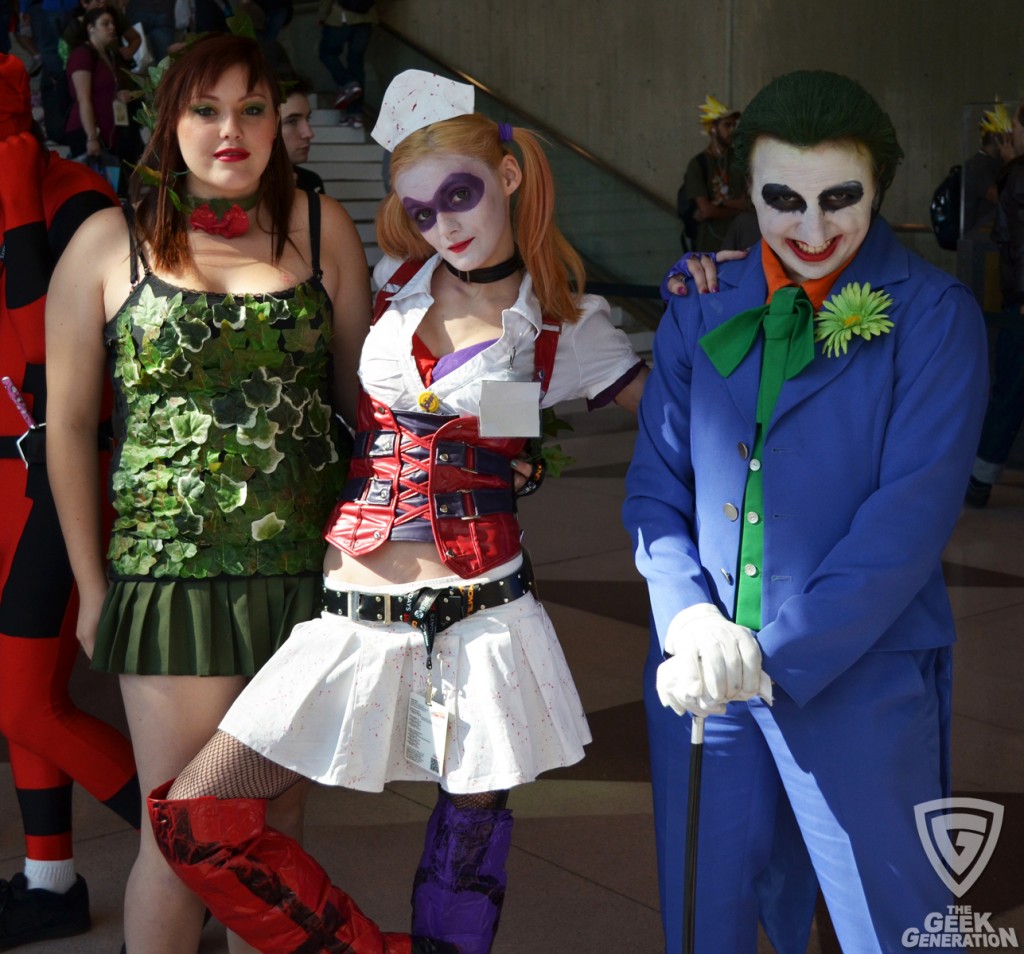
{"x": 505, "y": 132}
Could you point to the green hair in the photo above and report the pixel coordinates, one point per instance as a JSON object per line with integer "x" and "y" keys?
{"x": 810, "y": 107}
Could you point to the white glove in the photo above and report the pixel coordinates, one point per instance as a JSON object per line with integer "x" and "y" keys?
{"x": 713, "y": 661}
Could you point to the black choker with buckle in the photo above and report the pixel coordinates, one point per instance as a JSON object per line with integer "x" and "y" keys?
{"x": 429, "y": 610}
{"x": 493, "y": 273}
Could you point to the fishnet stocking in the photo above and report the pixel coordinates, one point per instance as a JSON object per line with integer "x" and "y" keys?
{"x": 494, "y": 801}
{"x": 225, "y": 768}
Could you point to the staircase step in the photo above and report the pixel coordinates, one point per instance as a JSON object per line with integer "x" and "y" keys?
{"x": 361, "y": 210}
{"x": 324, "y": 148}
{"x": 343, "y": 190}
{"x": 348, "y": 135}
{"x": 360, "y": 171}
{"x": 324, "y": 117}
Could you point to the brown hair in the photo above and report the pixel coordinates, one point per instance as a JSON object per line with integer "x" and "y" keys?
{"x": 555, "y": 267}
{"x": 199, "y": 67}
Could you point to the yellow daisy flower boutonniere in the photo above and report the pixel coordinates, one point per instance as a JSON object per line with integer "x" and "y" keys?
{"x": 854, "y": 310}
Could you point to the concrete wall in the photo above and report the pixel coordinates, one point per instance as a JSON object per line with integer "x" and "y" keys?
{"x": 623, "y": 79}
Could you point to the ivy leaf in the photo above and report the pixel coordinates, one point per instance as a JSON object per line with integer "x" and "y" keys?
{"x": 268, "y": 527}
{"x": 191, "y": 426}
{"x": 229, "y": 494}
{"x": 241, "y": 25}
{"x": 261, "y": 433}
{"x": 556, "y": 459}
{"x": 261, "y": 390}
{"x": 232, "y": 411}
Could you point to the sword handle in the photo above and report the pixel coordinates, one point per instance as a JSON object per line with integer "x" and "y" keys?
{"x": 19, "y": 402}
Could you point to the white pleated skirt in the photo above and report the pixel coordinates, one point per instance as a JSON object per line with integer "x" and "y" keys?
{"x": 333, "y": 701}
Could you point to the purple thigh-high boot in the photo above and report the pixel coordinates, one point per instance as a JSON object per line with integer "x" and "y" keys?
{"x": 460, "y": 883}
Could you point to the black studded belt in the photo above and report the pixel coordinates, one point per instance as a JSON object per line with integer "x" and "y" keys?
{"x": 427, "y": 609}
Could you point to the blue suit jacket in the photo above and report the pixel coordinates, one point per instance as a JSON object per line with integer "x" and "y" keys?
{"x": 865, "y": 464}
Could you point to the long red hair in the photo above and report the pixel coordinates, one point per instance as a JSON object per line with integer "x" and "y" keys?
{"x": 199, "y": 67}
{"x": 555, "y": 267}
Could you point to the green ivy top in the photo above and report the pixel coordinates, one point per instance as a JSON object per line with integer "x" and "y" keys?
{"x": 227, "y": 459}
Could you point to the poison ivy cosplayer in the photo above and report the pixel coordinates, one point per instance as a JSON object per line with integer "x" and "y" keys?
{"x": 432, "y": 660}
{"x": 221, "y": 321}
{"x": 804, "y": 441}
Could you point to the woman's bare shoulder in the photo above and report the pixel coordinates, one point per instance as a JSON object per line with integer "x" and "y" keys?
{"x": 105, "y": 232}
{"x": 97, "y": 254}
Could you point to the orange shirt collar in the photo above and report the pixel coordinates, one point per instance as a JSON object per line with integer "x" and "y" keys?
{"x": 817, "y": 289}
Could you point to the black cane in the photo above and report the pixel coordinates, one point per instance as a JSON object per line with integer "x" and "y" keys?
{"x": 692, "y": 817}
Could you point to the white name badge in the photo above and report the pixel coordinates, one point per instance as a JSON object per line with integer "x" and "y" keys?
{"x": 510, "y": 409}
{"x": 120, "y": 113}
{"x": 426, "y": 734}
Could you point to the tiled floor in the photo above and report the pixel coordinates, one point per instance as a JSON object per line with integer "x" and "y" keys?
{"x": 582, "y": 873}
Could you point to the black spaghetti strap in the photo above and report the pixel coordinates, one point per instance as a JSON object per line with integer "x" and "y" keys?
{"x": 314, "y": 233}
{"x": 133, "y": 247}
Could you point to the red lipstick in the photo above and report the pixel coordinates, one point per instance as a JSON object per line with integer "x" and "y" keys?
{"x": 816, "y": 256}
{"x": 231, "y": 155}
{"x": 459, "y": 247}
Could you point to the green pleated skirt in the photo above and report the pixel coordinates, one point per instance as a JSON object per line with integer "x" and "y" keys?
{"x": 227, "y": 626}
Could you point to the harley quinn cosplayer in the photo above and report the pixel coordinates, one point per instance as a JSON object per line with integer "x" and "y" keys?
{"x": 43, "y": 200}
{"x": 804, "y": 440}
{"x": 432, "y": 659}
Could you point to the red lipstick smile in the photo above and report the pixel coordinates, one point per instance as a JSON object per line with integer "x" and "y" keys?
{"x": 459, "y": 247}
{"x": 231, "y": 155}
{"x": 806, "y": 256}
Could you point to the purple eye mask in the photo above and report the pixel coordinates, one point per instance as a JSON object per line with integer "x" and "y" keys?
{"x": 460, "y": 192}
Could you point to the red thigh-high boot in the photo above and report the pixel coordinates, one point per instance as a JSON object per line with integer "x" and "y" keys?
{"x": 262, "y": 885}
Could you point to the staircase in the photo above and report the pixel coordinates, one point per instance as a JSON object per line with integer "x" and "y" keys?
{"x": 351, "y": 165}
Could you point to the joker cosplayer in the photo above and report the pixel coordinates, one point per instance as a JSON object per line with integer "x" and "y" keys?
{"x": 804, "y": 441}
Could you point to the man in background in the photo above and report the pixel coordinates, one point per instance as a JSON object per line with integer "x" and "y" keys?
{"x": 714, "y": 189}
{"x": 297, "y": 133}
{"x": 983, "y": 168}
{"x": 1005, "y": 411}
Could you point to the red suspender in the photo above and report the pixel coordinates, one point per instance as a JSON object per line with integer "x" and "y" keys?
{"x": 544, "y": 348}
{"x": 402, "y": 274}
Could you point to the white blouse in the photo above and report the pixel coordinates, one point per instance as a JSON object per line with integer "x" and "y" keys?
{"x": 592, "y": 354}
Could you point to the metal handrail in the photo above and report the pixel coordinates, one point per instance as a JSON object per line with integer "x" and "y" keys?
{"x": 539, "y": 125}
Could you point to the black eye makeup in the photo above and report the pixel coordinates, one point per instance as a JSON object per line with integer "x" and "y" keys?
{"x": 841, "y": 196}
{"x": 782, "y": 198}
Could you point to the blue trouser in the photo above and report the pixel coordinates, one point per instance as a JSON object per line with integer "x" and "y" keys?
{"x": 333, "y": 41}
{"x": 832, "y": 784}
{"x": 158, "y": 27}
{"x": 47, "y": 28}
{"x": 1005, "y": 412}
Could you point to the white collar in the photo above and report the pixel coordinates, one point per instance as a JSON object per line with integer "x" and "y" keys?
{"x": 525, "y": 305}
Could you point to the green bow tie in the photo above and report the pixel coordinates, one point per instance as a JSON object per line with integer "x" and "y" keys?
{"x": 788, "y": 324}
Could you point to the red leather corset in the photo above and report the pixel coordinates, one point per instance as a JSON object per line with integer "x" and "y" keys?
{"x": 426, "y": 477}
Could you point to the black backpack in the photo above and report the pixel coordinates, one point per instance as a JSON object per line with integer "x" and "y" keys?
{"x": 687, "y": 210}
{"x": 945, "y": 210}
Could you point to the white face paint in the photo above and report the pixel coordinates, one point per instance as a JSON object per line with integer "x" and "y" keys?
{"x": 461, "y": 207}
{"x": 813, "y": 205}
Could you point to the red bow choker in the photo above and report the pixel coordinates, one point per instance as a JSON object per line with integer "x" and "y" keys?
{"x": 224, "y": 217}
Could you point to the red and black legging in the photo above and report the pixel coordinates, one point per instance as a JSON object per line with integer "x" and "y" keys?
{"x": 52, "y": 743}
